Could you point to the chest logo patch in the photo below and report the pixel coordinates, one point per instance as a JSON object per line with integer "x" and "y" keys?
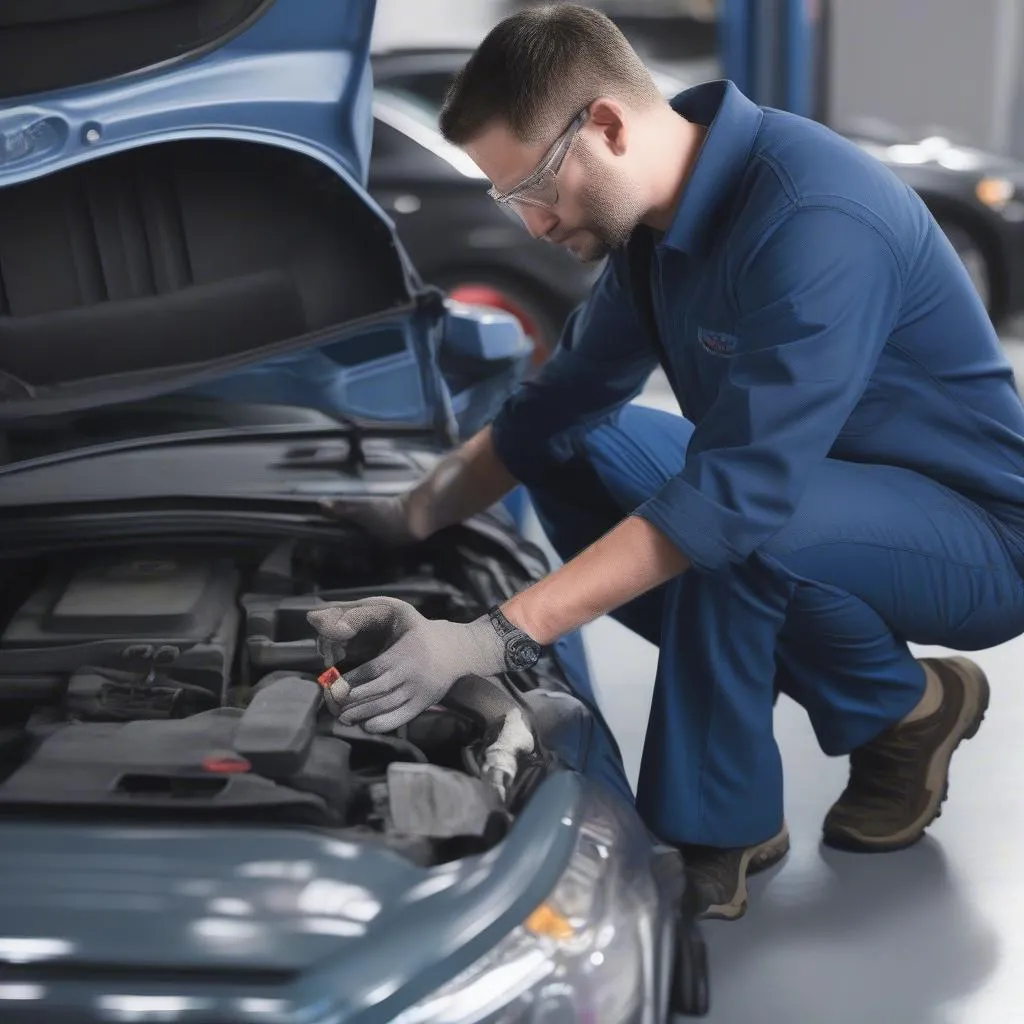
{"x": 717, "y": 342}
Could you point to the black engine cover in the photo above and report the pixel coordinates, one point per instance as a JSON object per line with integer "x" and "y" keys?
{"x": 175, "y": 613}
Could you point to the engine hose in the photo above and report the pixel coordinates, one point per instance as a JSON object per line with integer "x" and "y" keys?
{"x": 502, "y": 717}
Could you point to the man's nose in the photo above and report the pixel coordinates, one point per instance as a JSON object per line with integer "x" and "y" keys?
{"x": 538, "y": 221}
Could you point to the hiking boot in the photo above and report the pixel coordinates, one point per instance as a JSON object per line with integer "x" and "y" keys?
{"x": 899, "y": 780}
{"x": 719, "y": 877}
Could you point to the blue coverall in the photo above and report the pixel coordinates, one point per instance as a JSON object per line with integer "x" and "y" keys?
{"x": 848, "y": 477}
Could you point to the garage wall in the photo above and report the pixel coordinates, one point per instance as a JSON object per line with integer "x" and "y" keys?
{"x": 932, "y": 67}
{"x": 432, "y": 22}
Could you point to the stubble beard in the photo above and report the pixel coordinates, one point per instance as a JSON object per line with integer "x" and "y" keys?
{"x": 612, "y": 214}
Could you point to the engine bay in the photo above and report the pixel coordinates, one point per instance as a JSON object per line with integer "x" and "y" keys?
{"x": 178, "y": 681}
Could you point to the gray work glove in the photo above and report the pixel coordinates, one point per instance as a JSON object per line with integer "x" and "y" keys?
{"x": 415, "y": 661}
{"x": 448, "y": 494}
{"x": 391, "y": 519}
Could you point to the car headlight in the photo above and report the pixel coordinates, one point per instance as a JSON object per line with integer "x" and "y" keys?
{"x": 995, "y": 192}
{"x": 586, "y": 953}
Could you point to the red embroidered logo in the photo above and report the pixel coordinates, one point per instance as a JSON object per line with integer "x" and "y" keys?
{"x": 717, "y": 342}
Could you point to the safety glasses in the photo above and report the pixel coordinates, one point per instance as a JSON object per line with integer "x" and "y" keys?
{"x": 540, "y": 187}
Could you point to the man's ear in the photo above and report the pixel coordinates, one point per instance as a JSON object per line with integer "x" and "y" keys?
{"x": 608, "y": 116}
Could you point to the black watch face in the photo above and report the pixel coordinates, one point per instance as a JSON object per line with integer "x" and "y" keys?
{"x": 522, "y": 653}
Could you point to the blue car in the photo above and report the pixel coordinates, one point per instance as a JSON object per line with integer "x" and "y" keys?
{"x": 206, "y": 328}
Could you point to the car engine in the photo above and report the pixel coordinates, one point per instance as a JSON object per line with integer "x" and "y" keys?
{"x": 179, "y": 682}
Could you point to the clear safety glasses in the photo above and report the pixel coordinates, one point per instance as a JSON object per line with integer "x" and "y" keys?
{"x": 540, "y": 187}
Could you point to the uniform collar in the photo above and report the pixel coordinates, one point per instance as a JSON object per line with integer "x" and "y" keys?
{"x": 733, "y": 122}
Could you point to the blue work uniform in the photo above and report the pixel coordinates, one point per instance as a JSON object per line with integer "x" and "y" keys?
{"x": 848, "y": 474}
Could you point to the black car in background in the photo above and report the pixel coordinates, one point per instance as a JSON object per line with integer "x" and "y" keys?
{"x": 462, "y": 242}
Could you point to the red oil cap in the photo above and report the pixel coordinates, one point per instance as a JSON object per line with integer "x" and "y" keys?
{"x": 329, "y": 678}
{"x": 226, "y": 764}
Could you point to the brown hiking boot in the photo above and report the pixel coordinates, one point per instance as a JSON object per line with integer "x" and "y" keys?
{"x": 899, "y": 780}
{"x": 719, "y": 877}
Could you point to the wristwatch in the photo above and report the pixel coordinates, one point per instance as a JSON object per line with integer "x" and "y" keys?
{"x": 521, "y": 650}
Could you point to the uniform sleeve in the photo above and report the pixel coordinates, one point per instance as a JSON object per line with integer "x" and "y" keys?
{"x": 603, "y": 360}
{"x": 817, "y": 302}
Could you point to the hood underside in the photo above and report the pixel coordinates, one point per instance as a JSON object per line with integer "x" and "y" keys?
{"x": 167, "y": 224}
{"x": 177, "y": 255}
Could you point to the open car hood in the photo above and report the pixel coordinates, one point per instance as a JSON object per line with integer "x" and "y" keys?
{"x": 182, "y": 197}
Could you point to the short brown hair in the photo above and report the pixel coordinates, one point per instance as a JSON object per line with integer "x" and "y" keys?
{"x": 539, "y": 68}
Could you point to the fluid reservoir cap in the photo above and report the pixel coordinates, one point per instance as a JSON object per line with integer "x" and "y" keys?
{"x": 226, "y": 763}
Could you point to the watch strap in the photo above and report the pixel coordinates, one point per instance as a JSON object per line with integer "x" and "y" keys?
{"x": 521, "y": 650}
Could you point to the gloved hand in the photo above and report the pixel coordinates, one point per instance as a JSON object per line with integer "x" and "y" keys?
{"x": 465, "y": 482}
{"x": 416, "y": 661}
{"x": 393, "y": 520}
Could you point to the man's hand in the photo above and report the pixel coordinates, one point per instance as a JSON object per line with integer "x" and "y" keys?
{"x": 390, "y": 519}
{"x": 465, "y": 482}
{"x": 416, "y": 662}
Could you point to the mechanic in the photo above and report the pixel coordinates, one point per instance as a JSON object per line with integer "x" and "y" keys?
{"x": 848, "y": 475}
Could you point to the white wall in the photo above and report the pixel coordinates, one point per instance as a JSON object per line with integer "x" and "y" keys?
{"x": 929, "y": 66}
{"x": 432, "y": 22}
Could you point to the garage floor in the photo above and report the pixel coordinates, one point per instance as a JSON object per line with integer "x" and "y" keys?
{"x": 932, "y": 935}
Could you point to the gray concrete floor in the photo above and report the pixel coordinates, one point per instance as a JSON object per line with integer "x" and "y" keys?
{"x": 931, "y": 935}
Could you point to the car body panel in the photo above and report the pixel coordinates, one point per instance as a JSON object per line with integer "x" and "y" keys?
{"x": 481, "y": 354}
{"x": 297, "y": 76}
{"x": 325, "y": 928}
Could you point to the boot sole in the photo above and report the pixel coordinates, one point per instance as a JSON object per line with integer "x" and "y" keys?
{"x": 756, "y": 859}
{"x": 976, "y": 698}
